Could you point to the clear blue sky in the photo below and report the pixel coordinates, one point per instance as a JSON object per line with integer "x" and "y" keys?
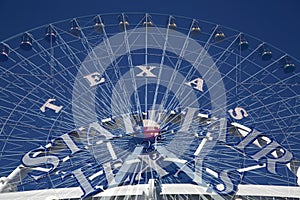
{"x": 273, "y": 21}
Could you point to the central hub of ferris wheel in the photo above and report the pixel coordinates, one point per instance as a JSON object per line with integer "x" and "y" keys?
{"x": 151, "y": 129}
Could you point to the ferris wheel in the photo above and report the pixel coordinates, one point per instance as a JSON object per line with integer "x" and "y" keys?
{"x": 147, "y": 106}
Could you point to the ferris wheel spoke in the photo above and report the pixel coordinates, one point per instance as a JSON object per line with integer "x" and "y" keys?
{"x": 115, "y": 65}
{"x": 78, "y": 60}
{"x": 160, "y": 68}
{"x": 113, "y": 61}
{"x": 129, "y": 57}
{"x": 199, "y": 59}
{"x": 234, "y": 68}
{"x": 146, "y": 61}
{"x": 267, "y": 87}
{"x": 178, "y": 64}
{"x": 217, "y": 60}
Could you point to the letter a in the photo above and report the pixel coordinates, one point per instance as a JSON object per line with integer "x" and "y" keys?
{"x": 197, "y": 83}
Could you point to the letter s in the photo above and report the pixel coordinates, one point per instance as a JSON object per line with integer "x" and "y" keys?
{"x": 37, "y": 158}
{"x": 231, "y": 180}
{"x": 240, "y": 113}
